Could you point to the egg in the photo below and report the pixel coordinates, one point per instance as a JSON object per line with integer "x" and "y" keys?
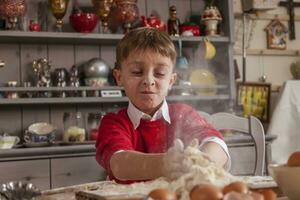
{"x": 206, "y": 192}
{"x": 268, "y": 194}
{"x": 162, "y": 194}
{"x": 237, "y": 186}
{"x": 294, "y": 159}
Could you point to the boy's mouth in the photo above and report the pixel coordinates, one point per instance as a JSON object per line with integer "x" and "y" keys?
{"x": 147, "y": 92}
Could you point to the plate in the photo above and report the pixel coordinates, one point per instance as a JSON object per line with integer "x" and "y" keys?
{"x": 38, "y": 144}
{"x": 205, "y": 80}
{"x": 77, "y": 143}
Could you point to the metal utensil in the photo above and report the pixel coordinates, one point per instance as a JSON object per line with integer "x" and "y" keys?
{"x": 19, "y": 191}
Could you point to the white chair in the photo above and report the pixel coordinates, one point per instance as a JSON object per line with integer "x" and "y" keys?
{"x": 228, "y": 122}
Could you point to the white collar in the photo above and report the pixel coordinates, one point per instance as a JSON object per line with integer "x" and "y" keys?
{"x": 135, "y": 115}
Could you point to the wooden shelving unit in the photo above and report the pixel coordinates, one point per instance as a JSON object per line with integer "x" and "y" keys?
{"x": 81, "y": 38}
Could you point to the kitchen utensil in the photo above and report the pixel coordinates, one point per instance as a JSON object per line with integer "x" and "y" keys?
{"x": 181, "y": 61}
{"x": 19, "y": 191}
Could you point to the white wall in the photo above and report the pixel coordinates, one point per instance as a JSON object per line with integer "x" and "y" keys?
{"x": 276, "y": 68}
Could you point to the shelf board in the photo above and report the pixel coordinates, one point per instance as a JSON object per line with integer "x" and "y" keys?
{"x": 269, "y": 52}
{"x": 88, "y": 100}
{"x": 81, "y": 38}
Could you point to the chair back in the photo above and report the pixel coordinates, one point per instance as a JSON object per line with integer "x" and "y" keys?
{"x": 228, "y": 122}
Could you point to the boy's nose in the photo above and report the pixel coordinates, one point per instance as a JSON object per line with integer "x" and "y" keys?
{"x": 149, "y": 81}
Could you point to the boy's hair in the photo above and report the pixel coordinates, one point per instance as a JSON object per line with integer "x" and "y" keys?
{"x": 142, "y": 39}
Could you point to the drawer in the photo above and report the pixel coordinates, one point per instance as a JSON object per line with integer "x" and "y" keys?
{"x": 33, "y": 171}
{"x": 75, "y": 170}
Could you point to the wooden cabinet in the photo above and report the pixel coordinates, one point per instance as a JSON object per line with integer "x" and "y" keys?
{"x": 53, "y": 172}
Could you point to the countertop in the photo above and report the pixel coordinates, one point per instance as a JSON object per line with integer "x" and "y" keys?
{"x": 60, "y": 151}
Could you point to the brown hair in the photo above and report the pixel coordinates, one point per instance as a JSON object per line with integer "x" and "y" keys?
{"x": 142, "y": 39}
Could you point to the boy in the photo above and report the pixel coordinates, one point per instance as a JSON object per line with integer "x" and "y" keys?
{"x": 131, "y": 144}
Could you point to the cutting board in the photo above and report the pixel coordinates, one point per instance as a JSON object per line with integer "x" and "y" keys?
{"x": 89, "y": 195}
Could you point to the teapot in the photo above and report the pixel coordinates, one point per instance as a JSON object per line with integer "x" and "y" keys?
{"x": 154, "y": 22}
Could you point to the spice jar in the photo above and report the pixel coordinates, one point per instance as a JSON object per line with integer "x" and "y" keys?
{"x": 12, "y": 94}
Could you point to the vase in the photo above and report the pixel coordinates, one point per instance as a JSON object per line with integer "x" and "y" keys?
{"x": 12, "y": 9}
{"x": 127, "y": 12}
{"x": 59, "y": 9}
{"x": 103, "y": 8}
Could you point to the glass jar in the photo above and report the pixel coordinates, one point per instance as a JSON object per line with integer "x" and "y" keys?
{"x": 12, "y": 94}
{"x": 74, "y": 129}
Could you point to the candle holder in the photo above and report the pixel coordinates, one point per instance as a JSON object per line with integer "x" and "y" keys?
{"x": 12, "y": 10}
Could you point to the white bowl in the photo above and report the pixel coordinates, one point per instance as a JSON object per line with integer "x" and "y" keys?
{"x": 287, "y": 179}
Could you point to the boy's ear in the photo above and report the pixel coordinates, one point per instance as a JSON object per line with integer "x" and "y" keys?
{"x": 117, "y": 75}
{"x": 172, "y": 80}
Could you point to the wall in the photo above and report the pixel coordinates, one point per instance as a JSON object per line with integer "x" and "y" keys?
{"x": 276, "y": 68}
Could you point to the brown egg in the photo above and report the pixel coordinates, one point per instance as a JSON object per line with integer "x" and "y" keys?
{"x": 206, "y": 192}
{"x": 256, "y": 196}
{"x": 268, "y": 194}
{"x": 162, "y": 194}
{"x": 237, "y": 186}
{"x": 294, "y": 159}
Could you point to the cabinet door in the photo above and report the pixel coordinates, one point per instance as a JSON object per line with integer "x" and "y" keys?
{"x": 242, "y": 160}
{"x": 75, "y": 170}
{"x": 33, "y": 171}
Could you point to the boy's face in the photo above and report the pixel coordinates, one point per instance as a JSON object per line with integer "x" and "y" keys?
{"x": 146, "y": 78}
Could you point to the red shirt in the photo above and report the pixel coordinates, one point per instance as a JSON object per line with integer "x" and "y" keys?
{"x": 117, "y": 132}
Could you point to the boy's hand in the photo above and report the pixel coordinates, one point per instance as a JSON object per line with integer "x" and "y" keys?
{"x": 176, "y": 162}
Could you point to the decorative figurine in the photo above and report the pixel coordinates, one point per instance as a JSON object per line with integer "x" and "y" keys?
{"x": 276, "y": 35}
{"x": 41, "y": 68}
{"x": 173, "y": 22}
{"x": 211, "y": 17}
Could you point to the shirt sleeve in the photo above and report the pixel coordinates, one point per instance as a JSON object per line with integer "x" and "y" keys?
{"x": 223, "y": 145}
{"x": 113, "y": 136}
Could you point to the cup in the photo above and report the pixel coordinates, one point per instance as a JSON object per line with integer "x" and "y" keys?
{"x": 7, "y": 142}
{"x": 210, "y": 50}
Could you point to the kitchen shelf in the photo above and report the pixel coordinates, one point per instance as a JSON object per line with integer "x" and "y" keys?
{"x": 81, "y": 38}
{"x": 269, "y": 52}
{"x": 88, "y": 100}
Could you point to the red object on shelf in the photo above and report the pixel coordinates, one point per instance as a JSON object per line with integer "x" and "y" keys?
{"x": 190, "y": 27}
{"x": 153, "y": 21}
{"x": 34, "y": 26}
{"x": 94, "y": 134}
{"x": 84, "y": 22}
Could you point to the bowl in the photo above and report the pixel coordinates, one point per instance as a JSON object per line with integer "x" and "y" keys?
{"x": 40, "y": 132}
{"x": 287, "y": 179}
{"x": 84, "y": 22}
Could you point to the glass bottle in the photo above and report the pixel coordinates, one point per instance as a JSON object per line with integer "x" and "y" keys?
{"x": 74, "y": 129}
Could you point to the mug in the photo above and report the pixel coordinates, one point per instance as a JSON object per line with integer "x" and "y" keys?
{"x": 7, "y": 142}
{"x": 210, "y": 50}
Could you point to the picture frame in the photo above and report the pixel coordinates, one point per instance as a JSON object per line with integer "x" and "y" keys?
{"x": 276, "y": 35}
{"x": 254, "y": 98}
